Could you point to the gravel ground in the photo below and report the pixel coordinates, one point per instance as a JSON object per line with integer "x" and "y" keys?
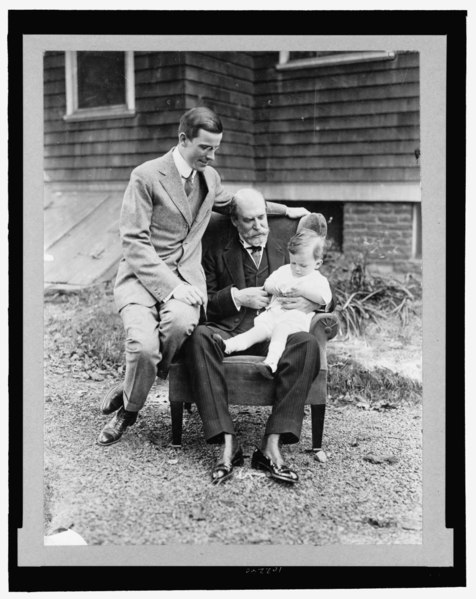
{"x": 143, "y": 491}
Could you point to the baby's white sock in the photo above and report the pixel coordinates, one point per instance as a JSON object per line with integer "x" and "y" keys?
{"x": 229, "y": 346}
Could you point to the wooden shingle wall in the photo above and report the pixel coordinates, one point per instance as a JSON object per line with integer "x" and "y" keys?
{"x": 340, "y": 124}
{"x": 344, "y": 123}
{"x": 323, "y": 137}
{"x": 166, "y": 84}
{"x": 224, "y": 82}
{"x": 106, "y": 150}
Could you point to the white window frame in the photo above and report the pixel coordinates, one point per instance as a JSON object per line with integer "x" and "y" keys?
{"x": 73, "y": 113}
{"x": 285, "y": 63}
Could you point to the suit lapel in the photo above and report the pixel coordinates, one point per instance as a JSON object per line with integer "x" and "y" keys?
{"x": 207, "y": 200}
{"x": 233, "y": 258}
{"x": 172, "y": 184}
{"x": 276, "y": 254}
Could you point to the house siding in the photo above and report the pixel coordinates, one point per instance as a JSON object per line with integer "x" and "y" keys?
{"x": 224, "y": 81}
{"x": 328, "y": 128}
{"x": 106, "y": 150}
{"x": 341, "y": 138}
{"x": 166, "y": 84}
{"x": 342, "y": 123}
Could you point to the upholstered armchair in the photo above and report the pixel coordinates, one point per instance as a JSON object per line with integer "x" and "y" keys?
{"x": 245, "y": 385}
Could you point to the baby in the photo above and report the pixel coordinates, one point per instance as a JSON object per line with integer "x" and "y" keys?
{"x": 300, "y": 276}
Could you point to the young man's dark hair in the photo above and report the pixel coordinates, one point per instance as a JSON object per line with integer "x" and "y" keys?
{"x": 198, "y": 118}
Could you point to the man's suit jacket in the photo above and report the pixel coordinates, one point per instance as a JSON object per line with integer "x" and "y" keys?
{"x": 224, "y": 270}
{"x": 161, "y": 241}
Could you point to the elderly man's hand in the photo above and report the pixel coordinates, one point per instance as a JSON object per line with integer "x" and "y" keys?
{"x": 298, "y": 303}
{"x": 296, "y": 212}
{"x": 251, "y": 297}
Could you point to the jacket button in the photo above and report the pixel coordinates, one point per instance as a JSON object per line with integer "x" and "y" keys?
{"x": 236, "y": 321}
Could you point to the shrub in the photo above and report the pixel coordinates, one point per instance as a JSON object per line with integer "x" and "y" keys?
{"x": 362, "y": 297}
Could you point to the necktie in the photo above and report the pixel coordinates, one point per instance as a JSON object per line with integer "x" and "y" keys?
{"x": 188, "y": 184}
{"x": 256, "y": 254}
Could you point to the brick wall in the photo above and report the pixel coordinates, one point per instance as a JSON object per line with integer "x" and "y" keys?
{"x": 385, "y": 229}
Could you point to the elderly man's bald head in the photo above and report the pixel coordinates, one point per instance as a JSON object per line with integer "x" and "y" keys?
{"x": 248, "y": 215}
{"x": 245, "y": 197}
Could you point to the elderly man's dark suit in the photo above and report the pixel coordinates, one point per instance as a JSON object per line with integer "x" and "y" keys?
{"x": 227, "y": 267}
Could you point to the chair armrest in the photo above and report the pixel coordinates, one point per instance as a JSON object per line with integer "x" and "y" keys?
{"x": 327, "y": 322}
{"x": 324, "y": 326}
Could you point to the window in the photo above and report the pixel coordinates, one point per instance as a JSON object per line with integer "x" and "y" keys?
{"x": 99, "y": 85}
{"x": 299, "y": 60}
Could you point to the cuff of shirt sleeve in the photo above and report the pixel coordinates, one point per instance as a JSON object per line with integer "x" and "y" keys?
{"x": 173, "y": 291}
{"x": 233, "y": 290}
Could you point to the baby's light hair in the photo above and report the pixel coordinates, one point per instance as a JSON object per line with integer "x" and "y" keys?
{"x": 307, "y": 238}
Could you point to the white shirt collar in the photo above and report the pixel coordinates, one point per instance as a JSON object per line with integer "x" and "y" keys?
{"x": 245, "y": 244}
{"x": 182, "y": 165}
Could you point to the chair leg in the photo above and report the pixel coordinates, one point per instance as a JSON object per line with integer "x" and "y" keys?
{"x": 176, "y": 413}
{"x": 317, "y": 421}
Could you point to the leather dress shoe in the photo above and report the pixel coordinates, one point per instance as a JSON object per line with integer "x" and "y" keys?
{"x": 224, "y": 470}
{"x": 281, "y": 473}
{"x": 113, "y": 399}
{"x": 115, "y": 428}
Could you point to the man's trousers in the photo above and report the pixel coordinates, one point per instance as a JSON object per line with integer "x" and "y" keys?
{"x": 153, "y": 337}
{"x": 297, "y": 369}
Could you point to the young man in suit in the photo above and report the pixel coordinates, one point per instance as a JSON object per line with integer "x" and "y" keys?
{"x": 160, "y": 287}
{"x": 235, "y": 275}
